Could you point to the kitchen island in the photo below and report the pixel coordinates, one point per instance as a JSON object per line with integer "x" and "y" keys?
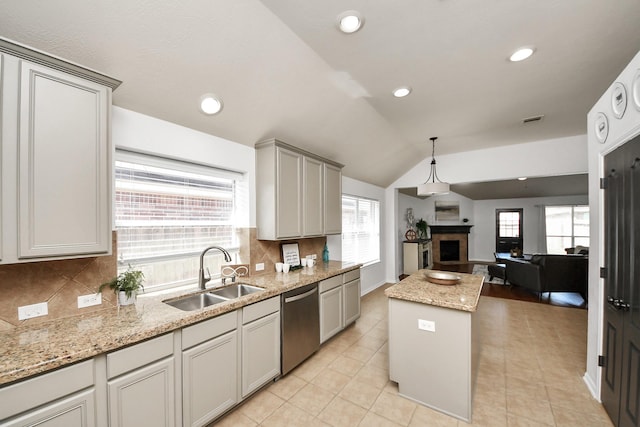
{"x": 432, "y": 344}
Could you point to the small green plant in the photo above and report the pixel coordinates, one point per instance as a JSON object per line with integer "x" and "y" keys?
{"x": 129, "y": 282}
{"x": 421, "y": 226}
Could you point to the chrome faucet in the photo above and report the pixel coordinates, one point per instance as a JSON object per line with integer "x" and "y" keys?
{"x": 202, "y": 280}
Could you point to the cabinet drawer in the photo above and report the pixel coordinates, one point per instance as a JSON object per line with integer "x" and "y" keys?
{"x": 45, "y": 388}
{"x": 351, "y": 275}
{"x": 138, "y": 355}
{"x": 208, "y": 329}
{"x": 260, "y": 309}
{"x": 330, "y": 283}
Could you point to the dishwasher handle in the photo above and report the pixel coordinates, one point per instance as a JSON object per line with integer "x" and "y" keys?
{"x": 299, "y": 297}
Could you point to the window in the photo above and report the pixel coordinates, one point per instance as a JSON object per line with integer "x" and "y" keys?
{"x": 567, "y": 227}
{"x": 167, "y": 212}
{"x": 360, "y": 230}
{"x": 509, "y": 226}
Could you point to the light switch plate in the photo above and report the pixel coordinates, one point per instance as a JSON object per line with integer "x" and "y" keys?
{"x": 260, "y": 266}
{"x": 89, "y": 300}
{"x": 33, "y": 310}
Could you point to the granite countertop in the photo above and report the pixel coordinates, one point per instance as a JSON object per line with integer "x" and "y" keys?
{"x": 31, "y": 350}
{"x": 463, "y": 296}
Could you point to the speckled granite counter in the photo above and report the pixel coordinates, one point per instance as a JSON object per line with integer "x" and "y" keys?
{"x": 27, "y": 351}
{"x": 416, "y": 288}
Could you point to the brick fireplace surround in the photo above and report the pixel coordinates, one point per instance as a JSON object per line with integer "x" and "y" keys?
{"x": 458, "y": 233}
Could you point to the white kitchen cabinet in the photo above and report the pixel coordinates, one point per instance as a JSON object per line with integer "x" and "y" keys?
{"x": 332, "y": 199}
{"x": 260, "y": 344}
{"x": 62, "y": 398}
{"x": 291, "y": 192}
{"x": 141, "y": 384}
{"x": 351, "y": 297}
{"x": 312, "y": 196}
{"x": 210, "y": 369}
{"x": 331, "y": 311}
{"x": 56, "y": 158}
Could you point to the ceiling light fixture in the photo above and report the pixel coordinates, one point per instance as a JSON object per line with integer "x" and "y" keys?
{"x": 210, "y": 104}
{"x": 433, "y": 185}
{"x": 521, "y": 54}
{"x": 522, "y": 178}
{"x": 350, "y": 21}
{"x": 401, "y": 92}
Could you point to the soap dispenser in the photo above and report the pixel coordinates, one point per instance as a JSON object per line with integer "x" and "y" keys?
{"x": 325, "y": 254}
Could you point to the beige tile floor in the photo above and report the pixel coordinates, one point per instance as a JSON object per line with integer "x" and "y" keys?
{"x": 530, "y": 374}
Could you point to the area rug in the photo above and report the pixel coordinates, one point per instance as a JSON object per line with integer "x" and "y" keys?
{"x": 481, "y": 269}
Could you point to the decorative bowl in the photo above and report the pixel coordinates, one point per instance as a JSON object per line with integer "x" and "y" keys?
{"x": 441, "y": 278}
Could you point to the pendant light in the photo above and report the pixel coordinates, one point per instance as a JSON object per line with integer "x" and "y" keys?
{"x": 433, "y": 185}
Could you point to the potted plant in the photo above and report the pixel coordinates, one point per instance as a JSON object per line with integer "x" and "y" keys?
{"x": 126, "y": 285}
{"x": 421, "y": 226}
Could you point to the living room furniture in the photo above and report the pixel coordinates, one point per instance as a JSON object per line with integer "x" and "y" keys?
{"x": 417, "y": 255}
{"x": 549, "y": 273}
{"x": 497, "y": 270}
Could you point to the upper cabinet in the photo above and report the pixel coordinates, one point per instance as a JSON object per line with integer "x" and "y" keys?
{"x": 298, "y": 194}
{"x": 56, "y": 158}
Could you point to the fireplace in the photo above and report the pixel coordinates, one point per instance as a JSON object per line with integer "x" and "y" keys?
{"x": 450, "y": 243}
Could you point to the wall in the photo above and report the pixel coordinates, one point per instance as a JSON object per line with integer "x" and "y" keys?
{"x": 507, "y": 162}
{"x": 620, "y": 131}
{"x": 484, "y": 223}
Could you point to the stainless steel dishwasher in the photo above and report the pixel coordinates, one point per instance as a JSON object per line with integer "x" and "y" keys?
{"x": 300, "y": 325}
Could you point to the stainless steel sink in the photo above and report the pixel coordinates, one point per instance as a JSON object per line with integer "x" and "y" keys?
{"x": 235, "y": 290}
{"x": 195, "y": 302}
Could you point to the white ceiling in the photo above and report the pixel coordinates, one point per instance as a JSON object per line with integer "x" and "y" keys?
{"x": 283, "y": 70}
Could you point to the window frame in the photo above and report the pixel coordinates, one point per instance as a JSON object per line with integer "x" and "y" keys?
{"x": 573, "y": 225}
{"x": 377, "y": 227}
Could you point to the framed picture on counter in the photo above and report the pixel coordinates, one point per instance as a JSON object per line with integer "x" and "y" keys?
{"x": 290, "y": 254}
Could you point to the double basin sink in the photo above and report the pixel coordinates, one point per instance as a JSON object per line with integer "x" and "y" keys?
{"x": 215, "y": 296}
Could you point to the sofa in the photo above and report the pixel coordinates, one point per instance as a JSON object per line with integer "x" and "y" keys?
{"x": 550, "y": 273}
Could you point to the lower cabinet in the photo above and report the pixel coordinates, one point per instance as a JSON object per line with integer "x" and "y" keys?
{"x": 65, "y": 397}
{"x": 330, "y": 313}
{"x": 339, "y": 303}
{"x": 209, "y": 369}
{"x": 351, "y": 297}
{"x": 141, "y": 384}
{"x": 260, "y": 344}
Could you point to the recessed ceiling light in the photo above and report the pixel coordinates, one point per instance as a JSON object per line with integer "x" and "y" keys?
{"x": 521, "y": 54}
{"x": 402, "y": 91}
{"x": 210, "y": 104}
{"x": 522, "y": 178}
{"x": 350, "y": 21}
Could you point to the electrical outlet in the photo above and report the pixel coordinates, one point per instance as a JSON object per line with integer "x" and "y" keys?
{"x": 33, "y": 310}
{"x": 89, "y": 300}
{"x": 260, "y": 266}
{"x": 426, "y": 325}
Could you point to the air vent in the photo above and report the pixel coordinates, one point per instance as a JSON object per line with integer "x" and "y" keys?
{"x": 532, "y": 119}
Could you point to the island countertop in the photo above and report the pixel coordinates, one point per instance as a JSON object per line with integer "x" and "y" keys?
{"x": 463, "y": 296}
{"x": 30, "y": 350}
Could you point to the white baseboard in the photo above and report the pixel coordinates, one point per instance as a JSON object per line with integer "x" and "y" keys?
{"x": 593, "y": 388}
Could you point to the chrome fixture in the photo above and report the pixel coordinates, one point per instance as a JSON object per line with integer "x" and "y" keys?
{"x": 202, "y": 280}
{"x": 433, "y": 185}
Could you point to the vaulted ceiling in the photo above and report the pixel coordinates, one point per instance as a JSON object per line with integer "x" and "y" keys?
{"x": 284, "y": 70}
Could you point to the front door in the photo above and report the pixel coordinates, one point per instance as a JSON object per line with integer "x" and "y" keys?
{"x": 508, "y": 230}
{"x": 621, "y": 370}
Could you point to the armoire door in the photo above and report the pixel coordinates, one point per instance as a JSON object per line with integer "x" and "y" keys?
{"x": 621, "y": 374}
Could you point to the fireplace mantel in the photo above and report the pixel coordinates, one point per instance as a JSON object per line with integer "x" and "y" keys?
{"x": 450, "y": 229}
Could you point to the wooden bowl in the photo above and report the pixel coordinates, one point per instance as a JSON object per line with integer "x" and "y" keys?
{"x": 442, "y": 278}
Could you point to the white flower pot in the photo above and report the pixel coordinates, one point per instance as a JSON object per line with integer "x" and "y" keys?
{"x": 123, "y": 300}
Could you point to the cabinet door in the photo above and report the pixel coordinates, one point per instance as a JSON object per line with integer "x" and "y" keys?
{"x": 312, "y": 194}
{"x": 288, "y": 194}
{"x": 75, "y": 411}
{"x": 351, "y": 295}
{"x": 210, "y": 379}
{"x": 143, "y": 397}
{"x": 64, "y": 165}
{"x": 260, "y": 352}
{"x": 330, "y": 313}
{"x": 332, "y": 199}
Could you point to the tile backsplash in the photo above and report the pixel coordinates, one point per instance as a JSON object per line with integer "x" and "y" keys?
{"x": 60, "y": 283}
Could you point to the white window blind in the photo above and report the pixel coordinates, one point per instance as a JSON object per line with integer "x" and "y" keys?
{"x": 167, "y": 212}
{"x": 360, "y": 230}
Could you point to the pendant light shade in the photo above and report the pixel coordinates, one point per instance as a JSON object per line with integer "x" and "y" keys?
{"x": 433, "y": 185}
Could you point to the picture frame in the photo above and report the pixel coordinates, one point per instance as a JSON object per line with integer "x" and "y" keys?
{"x": 290, "y": 254}
{"x": 447, "y": 210}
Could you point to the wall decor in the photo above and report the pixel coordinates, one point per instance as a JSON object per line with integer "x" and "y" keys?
{"x": 447, "y": 211}
{"x": 291, "y": 254}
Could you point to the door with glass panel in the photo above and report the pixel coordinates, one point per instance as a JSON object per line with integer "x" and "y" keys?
{"x": 509, "y": 230}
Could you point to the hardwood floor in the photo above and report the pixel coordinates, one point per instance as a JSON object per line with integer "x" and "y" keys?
{"x": 498, "y": 290}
